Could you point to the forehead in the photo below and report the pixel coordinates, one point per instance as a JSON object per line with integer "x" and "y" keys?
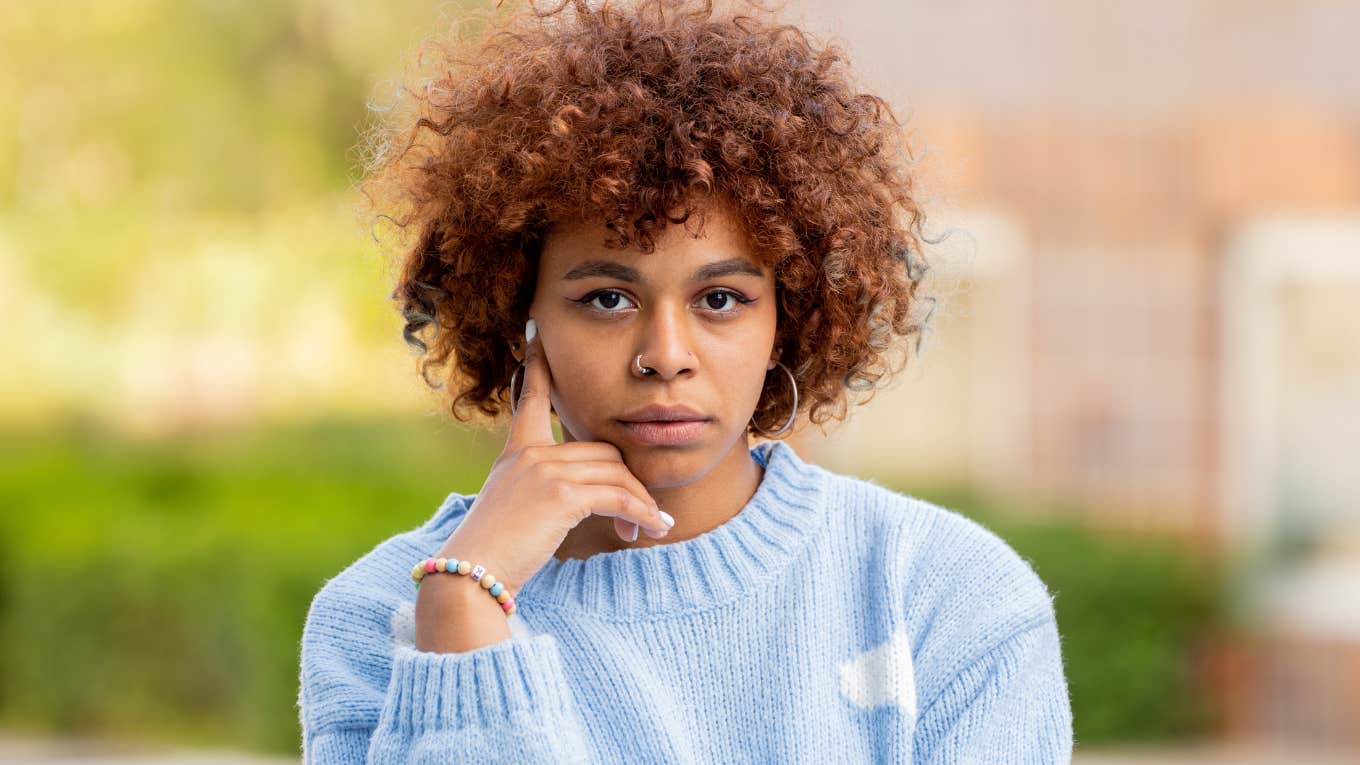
{"x": 576, "y": 250}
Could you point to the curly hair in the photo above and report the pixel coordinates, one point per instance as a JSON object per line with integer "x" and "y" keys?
{"x": 628, "y": 117}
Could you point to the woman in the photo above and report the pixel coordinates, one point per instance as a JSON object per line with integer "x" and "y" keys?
{"x": 674, "y": 231}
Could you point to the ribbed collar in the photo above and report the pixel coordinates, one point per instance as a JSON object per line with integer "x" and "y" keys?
{"x": 714, "y": 568}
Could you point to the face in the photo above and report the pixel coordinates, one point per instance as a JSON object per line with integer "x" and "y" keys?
{"x": 702, "y": 314}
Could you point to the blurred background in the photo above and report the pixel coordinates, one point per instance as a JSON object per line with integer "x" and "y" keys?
{"x": 1144, "y": 370}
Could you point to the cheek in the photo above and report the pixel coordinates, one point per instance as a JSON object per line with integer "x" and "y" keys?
{"x": 585, "y": 378}
{"x": 740, "y": 376}
{"x": 582, "y": 383}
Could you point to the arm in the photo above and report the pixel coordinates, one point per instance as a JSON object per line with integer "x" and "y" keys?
{"x": 1010, "y": 705}
{"x": 366, "y": 699}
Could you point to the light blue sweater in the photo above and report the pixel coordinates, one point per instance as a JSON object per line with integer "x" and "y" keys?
{"x": 831, "y": 620}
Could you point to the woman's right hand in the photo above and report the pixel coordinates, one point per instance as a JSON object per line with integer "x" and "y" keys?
{"x": 538, "y": 489}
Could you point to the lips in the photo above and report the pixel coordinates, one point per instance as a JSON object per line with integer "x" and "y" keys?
{"x": 664, "y": 413}
{"x": 666, "y": 433}
{"x": 665, "y": 424}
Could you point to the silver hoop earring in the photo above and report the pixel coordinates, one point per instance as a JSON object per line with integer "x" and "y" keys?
{"x": 513, "y": 397}
{"x": 637, "y": 364}
{"x": 792, "y": 415}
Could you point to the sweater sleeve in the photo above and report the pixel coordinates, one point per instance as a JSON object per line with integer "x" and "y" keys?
{"x": 367, "y": 698}
{"x": 1008, "y": 706}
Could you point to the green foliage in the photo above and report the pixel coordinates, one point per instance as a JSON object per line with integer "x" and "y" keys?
{"x": 159, "y": 589}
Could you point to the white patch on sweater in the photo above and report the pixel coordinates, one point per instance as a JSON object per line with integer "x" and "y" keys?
{"x": 882, "y": 675}
{"x": 404, "y": 623}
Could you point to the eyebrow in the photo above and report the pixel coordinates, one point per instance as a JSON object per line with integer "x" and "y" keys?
{"x": 611, "y": 269}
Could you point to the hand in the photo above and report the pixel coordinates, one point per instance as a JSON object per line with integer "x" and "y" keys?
{"x": 538, "y": 490}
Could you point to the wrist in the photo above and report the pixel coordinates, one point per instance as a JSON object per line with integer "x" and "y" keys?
{"x": 454, "y": 616}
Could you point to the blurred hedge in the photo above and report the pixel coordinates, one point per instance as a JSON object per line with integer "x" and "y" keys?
{"x": 159, "y": 589}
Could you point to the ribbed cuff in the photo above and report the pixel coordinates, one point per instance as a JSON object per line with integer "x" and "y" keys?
{"x": 498, "y": 685}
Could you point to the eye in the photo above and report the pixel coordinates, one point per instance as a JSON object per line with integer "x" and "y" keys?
{"x": 609, "y": 299}
{"x": 725, "y": 298}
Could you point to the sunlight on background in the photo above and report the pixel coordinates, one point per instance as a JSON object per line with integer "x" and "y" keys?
{"x": 1143, "y": 373}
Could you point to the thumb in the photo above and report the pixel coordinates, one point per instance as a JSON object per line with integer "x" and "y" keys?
{"x": 532, "y": 423}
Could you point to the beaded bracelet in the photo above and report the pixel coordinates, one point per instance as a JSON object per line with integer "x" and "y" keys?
{"x": 466, "y": 568}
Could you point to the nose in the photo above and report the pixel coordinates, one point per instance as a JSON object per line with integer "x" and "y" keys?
{"x": 666, "y": 345}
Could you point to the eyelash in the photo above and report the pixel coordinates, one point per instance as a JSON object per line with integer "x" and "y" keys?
{"x": 740, "y": 299}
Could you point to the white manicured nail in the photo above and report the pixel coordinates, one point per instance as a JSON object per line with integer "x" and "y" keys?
{"x": 530, "y": 329}
{"x": 635, "y": 533}
{"x": 665, "y": 516}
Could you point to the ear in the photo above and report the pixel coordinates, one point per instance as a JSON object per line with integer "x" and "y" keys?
{"x": 778, "y": 351}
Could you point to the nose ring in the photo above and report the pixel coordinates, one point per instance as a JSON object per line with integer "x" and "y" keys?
{"x": 637, "y": 364}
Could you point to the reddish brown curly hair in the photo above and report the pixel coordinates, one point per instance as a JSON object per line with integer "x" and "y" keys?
{"x": 626, "y": 117}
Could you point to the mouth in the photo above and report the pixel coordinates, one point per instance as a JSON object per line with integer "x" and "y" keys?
{"x": 665, "y": 424}
{"x": 666, "y": 432}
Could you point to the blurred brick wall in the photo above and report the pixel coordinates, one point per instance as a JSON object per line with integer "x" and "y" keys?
{"x": 1124, "y": 180}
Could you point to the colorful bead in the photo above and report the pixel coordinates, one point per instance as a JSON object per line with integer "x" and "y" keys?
{"x": 479, "y": 573}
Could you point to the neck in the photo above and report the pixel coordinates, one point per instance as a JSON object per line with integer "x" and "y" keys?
{"x": 698, "y": 506}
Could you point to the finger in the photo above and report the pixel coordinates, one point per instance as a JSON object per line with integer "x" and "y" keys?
{"x": 532, "y": 423}
{"x": 586, "y": 450}
{"x": 605, "y": 472}
{"x": 627, "y": 530}
{"x": 617, "y": 502}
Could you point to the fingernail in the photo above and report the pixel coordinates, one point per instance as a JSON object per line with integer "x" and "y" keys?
{"x": 665, "y": 516}
{"x": 530, "y": 329}
{"x": 635, "y": 533}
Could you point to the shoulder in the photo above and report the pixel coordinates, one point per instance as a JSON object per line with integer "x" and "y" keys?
{"x": 941, "y": 552}
{"x": 955, "y": 584}
{"x": 352, "y": 620}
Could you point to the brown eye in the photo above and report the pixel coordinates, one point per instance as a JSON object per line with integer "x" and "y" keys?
{"x": 724, "y": 301}
{"x": 608, "y": 301}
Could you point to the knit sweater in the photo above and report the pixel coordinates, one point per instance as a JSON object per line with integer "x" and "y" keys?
{"x": 830, "y": 620}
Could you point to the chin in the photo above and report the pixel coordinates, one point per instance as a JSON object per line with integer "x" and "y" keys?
{"x": 664, "y": 467}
